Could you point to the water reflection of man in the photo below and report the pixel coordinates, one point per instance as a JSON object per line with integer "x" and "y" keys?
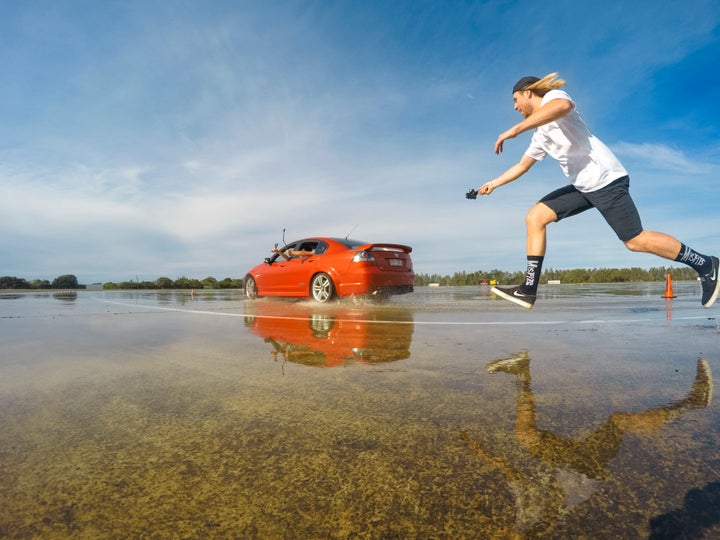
{"x": 576, "y": 466}
{"x": 299, "y": 354}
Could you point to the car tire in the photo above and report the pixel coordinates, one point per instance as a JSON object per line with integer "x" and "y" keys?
{"x": 250, "y": 288}
{"x": 321, "y": 288}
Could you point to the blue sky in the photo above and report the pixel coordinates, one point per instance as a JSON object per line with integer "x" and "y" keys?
{"x": 179, "y": 138}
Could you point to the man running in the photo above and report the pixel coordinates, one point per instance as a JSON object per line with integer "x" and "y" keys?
{"x": 597, "y": 180}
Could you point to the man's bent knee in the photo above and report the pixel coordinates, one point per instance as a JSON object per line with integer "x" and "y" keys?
{"x": 540, "y": 215}
{"x": 637, "y": 243}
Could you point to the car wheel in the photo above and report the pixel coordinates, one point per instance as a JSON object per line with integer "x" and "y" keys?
{"x": 250, "y": 288}
{"x": 322, "y": 288}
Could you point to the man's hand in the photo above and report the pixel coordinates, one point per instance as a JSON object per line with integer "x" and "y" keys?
{"x": 551, "y": 111}
{"x": 509, "y": 134}
{"x": 486, "y": 189}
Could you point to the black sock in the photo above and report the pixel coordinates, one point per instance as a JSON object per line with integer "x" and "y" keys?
{"x": 700, "y": 263}
{"x": 532, "y": 276}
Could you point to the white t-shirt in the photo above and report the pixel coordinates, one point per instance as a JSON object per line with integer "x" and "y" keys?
{"x": 585, "y": 160}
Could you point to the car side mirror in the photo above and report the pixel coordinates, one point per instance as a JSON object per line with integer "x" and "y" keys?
{"x": 267, "y": 260}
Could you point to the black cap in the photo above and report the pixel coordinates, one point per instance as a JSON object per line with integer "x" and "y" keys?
{"x": 523, "y": 83}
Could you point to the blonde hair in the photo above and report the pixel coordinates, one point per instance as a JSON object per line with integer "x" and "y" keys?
{"x": 544, "y": 85}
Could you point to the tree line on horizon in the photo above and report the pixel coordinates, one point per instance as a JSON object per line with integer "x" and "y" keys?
{"x": 576, "y": 276}
{"x": 66, "y": 281}
{"x": 458, "y": 279}
{"x": 70, "y": 281}
{"x": 179, "y": 283}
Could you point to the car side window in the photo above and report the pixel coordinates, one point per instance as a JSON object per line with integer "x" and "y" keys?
{"x": 289, "y": 247}
{"x": 309, "y": 246}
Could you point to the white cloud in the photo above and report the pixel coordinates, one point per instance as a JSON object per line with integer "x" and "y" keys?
{"x": 660, "y": 156}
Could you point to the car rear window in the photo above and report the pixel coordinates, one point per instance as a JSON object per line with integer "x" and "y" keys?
{"x": 350, "y": 243}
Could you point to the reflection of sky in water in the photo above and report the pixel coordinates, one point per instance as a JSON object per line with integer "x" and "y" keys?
{"x": 133, "y": 414}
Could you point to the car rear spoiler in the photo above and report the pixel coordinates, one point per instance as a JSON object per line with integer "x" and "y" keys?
{"x": 385, "y": 247}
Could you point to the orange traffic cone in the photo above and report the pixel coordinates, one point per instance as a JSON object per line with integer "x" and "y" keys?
{"x": 668, "y": 288}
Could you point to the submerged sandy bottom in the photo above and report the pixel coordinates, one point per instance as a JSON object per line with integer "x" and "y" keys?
{"x": 174, "y": 416}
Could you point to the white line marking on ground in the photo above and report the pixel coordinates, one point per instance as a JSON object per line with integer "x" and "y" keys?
{"x": 427, "y": 323}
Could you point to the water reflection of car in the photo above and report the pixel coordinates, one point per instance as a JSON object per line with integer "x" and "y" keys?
{"x": 323, "y": 268}
{"x": 328, "y": 336}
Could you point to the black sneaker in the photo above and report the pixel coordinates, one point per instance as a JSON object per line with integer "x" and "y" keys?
{"x": 516, "y": 295}
{"x": 710, "y": 284}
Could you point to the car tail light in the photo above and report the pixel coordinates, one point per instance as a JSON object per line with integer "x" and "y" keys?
{"x": 363, "y": 256}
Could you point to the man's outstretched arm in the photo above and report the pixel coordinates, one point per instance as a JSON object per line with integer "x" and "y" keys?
{"x": 513, "y": 173}
{"x": 552, "y": 110}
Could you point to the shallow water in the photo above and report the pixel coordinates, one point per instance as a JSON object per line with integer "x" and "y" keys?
{"x": 445, "y": 413}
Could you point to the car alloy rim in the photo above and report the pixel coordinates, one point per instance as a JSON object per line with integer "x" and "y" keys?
{"x": 250, "y": 288}
{"x": 321, "y": 288}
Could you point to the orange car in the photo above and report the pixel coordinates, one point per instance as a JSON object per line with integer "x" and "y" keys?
{"x": 325, "y": 268}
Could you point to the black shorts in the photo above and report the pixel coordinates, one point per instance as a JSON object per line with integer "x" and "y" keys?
{"x": 613, "y": 202}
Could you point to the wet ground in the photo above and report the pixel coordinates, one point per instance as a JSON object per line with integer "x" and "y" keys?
{"x": 445, "y": 413}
